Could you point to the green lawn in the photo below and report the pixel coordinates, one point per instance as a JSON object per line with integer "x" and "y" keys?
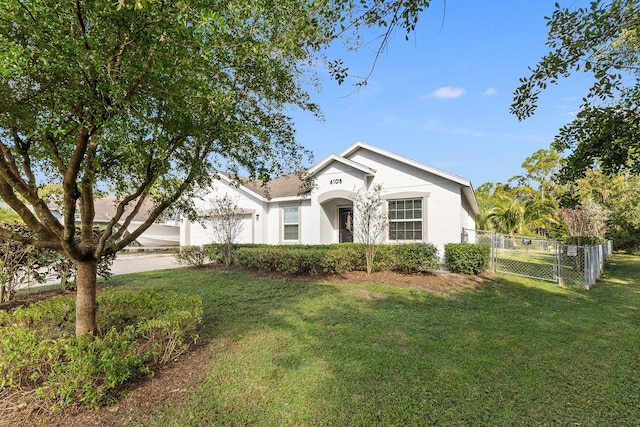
{"x": 515, "y": 352}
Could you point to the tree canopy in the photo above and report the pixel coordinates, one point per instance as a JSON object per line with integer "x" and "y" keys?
{"x": 148, "y": 98}
{"x": 536, "y": 204}
{"x": 603, "y": 40}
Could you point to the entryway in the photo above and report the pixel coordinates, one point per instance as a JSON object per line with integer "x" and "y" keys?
{"x": 345, "y": 224}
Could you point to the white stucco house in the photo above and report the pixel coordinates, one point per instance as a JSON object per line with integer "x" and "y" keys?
{"x": 424, "y": 204}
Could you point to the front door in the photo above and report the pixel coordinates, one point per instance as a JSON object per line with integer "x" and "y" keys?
{"x": 345, "y": 224}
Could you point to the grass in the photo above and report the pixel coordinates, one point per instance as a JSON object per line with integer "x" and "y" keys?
{"x": 514, "y": 352}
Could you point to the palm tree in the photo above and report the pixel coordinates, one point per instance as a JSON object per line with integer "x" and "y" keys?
{"x": 539, "y": 214}
{"x": 507, "y": 214}
{"x": 484, "y": 220}
{"x": 519, "y": 210}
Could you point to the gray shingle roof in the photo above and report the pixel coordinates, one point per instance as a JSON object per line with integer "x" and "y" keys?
{"x": 283, "y": 186}
{"x": 105, "y": 209}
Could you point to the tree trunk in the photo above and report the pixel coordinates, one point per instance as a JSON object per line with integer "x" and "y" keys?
{"x": 369, "y": 255}
{"x": 228, "y": 253}
{"x": 86, "y": 304}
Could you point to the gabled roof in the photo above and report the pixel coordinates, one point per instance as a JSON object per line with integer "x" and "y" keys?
{"x": 340, "y": 159}
{"x": 467, "y": 188}
{"x": 282, "y": 186}
{"x": 291, "y": 185}
{"x": 438, "y": 172}
{"x": 105, "y": 209}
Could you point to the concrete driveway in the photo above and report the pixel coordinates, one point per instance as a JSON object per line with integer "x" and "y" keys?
{"x": 128, "y": 263}
{"x": 138, "y": 262}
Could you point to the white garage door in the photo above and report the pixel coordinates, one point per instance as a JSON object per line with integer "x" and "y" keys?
{"x": 246, "y": 235}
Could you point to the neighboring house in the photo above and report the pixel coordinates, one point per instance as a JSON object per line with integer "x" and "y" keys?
{"x": 424, "y": 204}
{"x": 164, "y": 232}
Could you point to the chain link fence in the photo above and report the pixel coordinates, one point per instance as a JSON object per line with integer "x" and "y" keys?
{"x": 572, "y": 265}
{"x": 542, "y": 259}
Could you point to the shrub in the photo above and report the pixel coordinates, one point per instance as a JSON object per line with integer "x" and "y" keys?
{"x": 414, "y": 258}
{"x": 293, "y": 260}
{"x": 300, "y": 261}
{"x": 87, "y": 370}
{"x": 344, "y": 257}
{"x": 20, "y": 263}
{"x": 67, "y": 270}
{"x": 213, "y": 252}
{"x": 53, "y": 318}
{"x": 142, "y": 329}
{"x": 467, "y": 258}
{"x": 384, "y": 258}
{"x": 336, "y": 259}
{"x": 255, "y": 259}
{"x": 191, "y": 255}
{"x": 625, "y": 238}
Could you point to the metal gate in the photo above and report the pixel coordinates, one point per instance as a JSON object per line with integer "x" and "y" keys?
{"x": 542, "y": 259}
{"x": 527, "y": 256}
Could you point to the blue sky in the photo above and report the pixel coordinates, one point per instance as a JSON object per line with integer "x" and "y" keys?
{"x": 442, "y": 98}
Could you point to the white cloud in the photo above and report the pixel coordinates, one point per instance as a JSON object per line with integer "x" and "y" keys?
{"x": 449, "y": 92}
{"x": 490, "y": 91}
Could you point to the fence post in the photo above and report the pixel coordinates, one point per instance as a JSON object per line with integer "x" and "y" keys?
{"x": 587, "y": 267}
{"x": 493, "y": 251}
{"x": 559, "y": 262}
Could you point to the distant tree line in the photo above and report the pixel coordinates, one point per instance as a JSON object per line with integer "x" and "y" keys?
{"x": 539, "y": 203}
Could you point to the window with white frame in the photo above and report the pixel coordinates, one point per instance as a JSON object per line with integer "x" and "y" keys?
{"x": 405, "y": 219}
{"x": 290, "y": 223}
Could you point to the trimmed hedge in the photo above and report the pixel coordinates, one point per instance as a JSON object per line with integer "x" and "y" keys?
{"x": 335, "y": 259}
{"x": 140, "y": 329}
{"x": 467, "y": 258}
{"x": 414, "y": 258}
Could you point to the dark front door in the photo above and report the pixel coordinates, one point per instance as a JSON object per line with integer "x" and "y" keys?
{"x": 345, "y": 224}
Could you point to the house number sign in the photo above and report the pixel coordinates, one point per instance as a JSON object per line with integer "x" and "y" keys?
{"x": 335, "y": 181}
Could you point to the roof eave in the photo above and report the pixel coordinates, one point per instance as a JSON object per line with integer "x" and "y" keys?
{"x": 340, "y": 159}
{"x": 362, "y": 145}
{"x": 231, "y": 182}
